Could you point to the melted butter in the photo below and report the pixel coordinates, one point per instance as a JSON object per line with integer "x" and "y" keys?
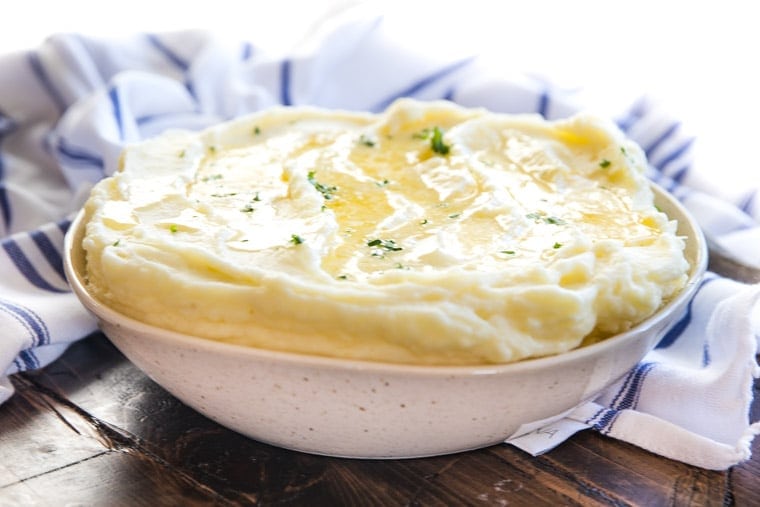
{"x": 515, "y": 198}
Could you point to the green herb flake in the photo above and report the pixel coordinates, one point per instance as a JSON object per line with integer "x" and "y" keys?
{"x": 212, "y": 177}
{"x": 181, "y": 154}
{"x": 508, "y": 252}
{"x": 212, "y": 149}
{"x": 386, "y": 244}
{"x": 116, "y": 243}
{"x": 424, "y": 221}
{"x": 540, "y": 217}
{"x": 327, "y": 191}
{"x": 366, "y": 141}
{"x": 173, "y": 228}
{"x": 554, "y": 221}
{"x": 533, "y": 216}
{"x": 604, "y": 164}
{"x": 342, "y": 277}
{"x": 248, "y": 208}
{"x": 256, "y": 130}
{"x": 256, "y": 197}
{"x": 437, "y": 144}
{"x": 435, "y": 135}
{"x": 455, "y": 215}
{"x": 383, "y": 183}
{"x": 296, "y": 239}
{"x": 557, "y": 245}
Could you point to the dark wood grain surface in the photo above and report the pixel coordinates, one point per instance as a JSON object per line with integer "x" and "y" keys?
{"x": 91, "y": 429}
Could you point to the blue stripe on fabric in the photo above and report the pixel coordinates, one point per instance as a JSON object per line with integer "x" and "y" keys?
{"x": 26, "y": 268}
{"x": 590, "y": 420}
{"x": 79, "y": 155}
{"x": 543, "y": 103}
{"x": 603, "y": 420}
{"x": 246, "y": 51}
{"x": 661, "y": 138}
{"x": 635, "y": 113}
{"x": 167, "y": 52}
{"x": 748, "y": 202}
{"x": 29, "y": 360}
{"x": 631, "y": 396}
{"x": 38, "y": 331}
{"x": 6, "y": 125}
{"x": 45, "y": 81}
{"x": 5, "y": 204}
{"x": 49, "y": 251}
{"x": 422, "y": 83}
{"x": 706, "y": 356}
{"x": 679, "y": 175}
{"x": 674, "y": 154}
{"x": 679, "y": 327}
{"x": 285, "y": 70}
{"x": 623, "y": 388}
{"x": 64, "y": 225}
{"x": 113, "y": 95}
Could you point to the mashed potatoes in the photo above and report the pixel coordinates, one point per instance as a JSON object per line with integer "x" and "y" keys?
{"x": 429, "y": 234}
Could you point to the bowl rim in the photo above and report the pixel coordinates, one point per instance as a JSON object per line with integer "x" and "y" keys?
{"x": 104, "y": 313}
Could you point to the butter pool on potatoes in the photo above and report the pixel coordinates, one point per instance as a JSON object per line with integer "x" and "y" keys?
{"x": 429, "y": 234}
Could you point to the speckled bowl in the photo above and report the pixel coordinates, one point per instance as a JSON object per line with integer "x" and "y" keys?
{"x": 357, "y": 409}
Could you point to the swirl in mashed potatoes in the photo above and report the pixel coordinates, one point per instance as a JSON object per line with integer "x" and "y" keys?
{"x": 429, "y": 234}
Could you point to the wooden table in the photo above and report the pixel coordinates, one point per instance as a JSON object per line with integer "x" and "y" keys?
{"x": 91, "y": 429}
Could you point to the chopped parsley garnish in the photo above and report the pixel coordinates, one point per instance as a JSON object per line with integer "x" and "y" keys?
{"x": 212, "y": 149}
{"x": 224, "y": 195}
{"x": 557, "y": 245}
{"x": 454, "y": 215}
{"x": 508, "y": 252}
{"x": 551, "y": 220}
{"x": 212, "y": 177}
{"x": 435, "y": 135}
{"x": 386, "y": 244}
{"x": 554, "y": 221}
{"x": 256, "y": 197}
{"x": 342, "y": 277}
{"x": 424, "y": 221}
{"x": 256, "y": 130}
{"x": 382, "y": 183}
{"x": 248, "y": 208}
{"x": 436, "y": 142}
{"x": 182, "y": 154}
{"x": 116, "y": 243}
{"x": 296, "y": 239}
{"x": 604, "y": 164}
{"x": 366, "y": 141}
{"x": 173, "y": 228}
{"x": 327, "y": 191}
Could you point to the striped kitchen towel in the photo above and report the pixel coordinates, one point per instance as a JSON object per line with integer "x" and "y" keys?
{"x": 68, "y": 107}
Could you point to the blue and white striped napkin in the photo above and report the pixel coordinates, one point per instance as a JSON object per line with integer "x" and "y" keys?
{"x": 68, "y": 108}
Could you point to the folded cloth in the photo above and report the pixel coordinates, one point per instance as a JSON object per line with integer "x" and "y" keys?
{"x": 70, "y": 106}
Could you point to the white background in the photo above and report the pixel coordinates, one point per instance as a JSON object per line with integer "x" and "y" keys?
{"x": 697, "y": 58}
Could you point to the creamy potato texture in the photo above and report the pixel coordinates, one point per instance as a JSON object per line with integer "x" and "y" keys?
{"x": 429, "y": 234}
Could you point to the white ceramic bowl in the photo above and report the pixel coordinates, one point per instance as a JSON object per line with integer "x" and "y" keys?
{"x": 352, "y": 408}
